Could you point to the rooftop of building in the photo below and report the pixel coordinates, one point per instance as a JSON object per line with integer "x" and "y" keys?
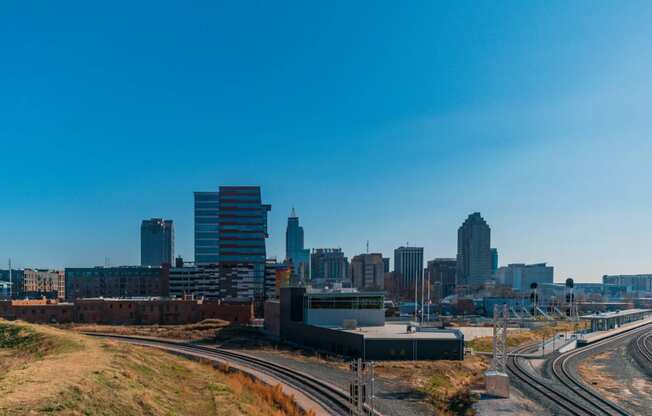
{"x": 400, "y": 331}
{"x": 310, "y": 291}
{"x": 615, "y": 314}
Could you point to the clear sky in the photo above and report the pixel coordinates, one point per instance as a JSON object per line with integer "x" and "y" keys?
{"x": 381, "y": 121}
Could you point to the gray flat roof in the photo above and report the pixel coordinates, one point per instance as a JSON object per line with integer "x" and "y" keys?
{"x": 399, "y": 331}
{"x": 615, "y": 314}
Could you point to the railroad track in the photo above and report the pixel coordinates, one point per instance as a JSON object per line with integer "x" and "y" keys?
{"x": 641, "y": 349}
{"x": 566, "y": 390}
{"x": 328, "y": 396}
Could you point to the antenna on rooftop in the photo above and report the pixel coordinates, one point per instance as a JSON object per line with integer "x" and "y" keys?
{"x": 367, "y": 246}
{"x": 293, "y": 214}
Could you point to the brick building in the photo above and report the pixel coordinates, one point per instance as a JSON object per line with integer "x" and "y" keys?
{"x": 117, "y": 282}
{"x": 43, "y": 282}
{"x": 127, "y": 311}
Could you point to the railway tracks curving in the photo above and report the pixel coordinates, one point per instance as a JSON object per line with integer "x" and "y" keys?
{"x": 641, "y": 350}
{"x": 564, "y": 389}
{"x": 328, "y": 396}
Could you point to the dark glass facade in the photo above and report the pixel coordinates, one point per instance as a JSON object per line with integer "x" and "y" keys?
{"x": 156, "y": 242}
{"x": 230, "y": 231}
{"x": 207, "y": 208}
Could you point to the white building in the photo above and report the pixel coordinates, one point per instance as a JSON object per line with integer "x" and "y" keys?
{"x": 520, "y": 276}
{"x": 333, "y": 308}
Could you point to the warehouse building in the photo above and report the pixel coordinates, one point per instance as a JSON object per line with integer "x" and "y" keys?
{"x": 352, "y": 323}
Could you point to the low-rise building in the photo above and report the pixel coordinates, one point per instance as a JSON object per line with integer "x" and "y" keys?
{"x": 638, "y": 284}
{"x": 126, "y": 311}
{"x": 44, "y": 283}
{"x": 16, "y": 278}
{"x": 351, "y": 323}
{"x": 520, "y": 276}
{"x": 116, "y": 282}
{"x": 195, "y": 282}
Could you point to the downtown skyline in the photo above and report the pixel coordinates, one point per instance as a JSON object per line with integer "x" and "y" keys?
{"x": 391, "y": 136}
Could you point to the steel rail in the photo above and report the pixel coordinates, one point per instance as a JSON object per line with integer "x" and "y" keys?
{"x": 559, "y": 398}
{"x": 324, "y": 393}
{"x": 583, "y": 400}
{"x": 568, "y": 377}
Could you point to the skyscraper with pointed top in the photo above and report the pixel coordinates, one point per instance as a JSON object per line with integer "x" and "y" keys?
{"x": 295, "y": 253}
{"x": 474, "y": 251}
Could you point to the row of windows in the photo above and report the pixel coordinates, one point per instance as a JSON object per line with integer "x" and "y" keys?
{"x": 241, "y": 220}
{"x": 206, "y": 250}
{"x": 206, "y": 220}
{"x": 354, "y": 302}
{"x": 205, "y": 227}
{"x": 243, "y": 243}
{"x": 248, "y": 250}
{"x": 207, "y": 205}
{"x": 242, "y": 227}
{"x": 227, "y": 234}
{"x": 207, "y": 196}
{"x": 207, "y": 212}
{"x": 207, "y": 243}
{"x": 243, "y": 258}
{"x": 199, "y": 258}
{"x": 207, "y": 235}
{"x": 253, "y": 196}
{"x": 225, "y": 204}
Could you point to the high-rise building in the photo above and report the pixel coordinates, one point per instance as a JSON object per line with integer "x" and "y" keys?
{"x": 473, "y": 251}
{"x": 408, "y": 261}
{"x": 520, "y": 276}
{"x": 386, "y": 264}
{"x": 156, "y": 242}
{"x": 368, "y": 271}
{"x": 441, "y": 275}
{"x": 230, "y": 230}
{"x": 295, "y": 254}
{"x": 207, "y": 233}
{"x": 328, "y": 264}
{"x": 494, "y": 261}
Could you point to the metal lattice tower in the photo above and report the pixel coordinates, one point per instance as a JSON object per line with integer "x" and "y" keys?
{"x": 501, "y": 315}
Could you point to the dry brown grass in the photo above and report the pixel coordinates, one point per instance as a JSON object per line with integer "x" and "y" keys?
{"x": 592, "y": 370}
{"x": 206, "y": 329}
{"x": 78, "y": 375}
{"x": 517, "y": 339}
{"x": 447, "y": 383}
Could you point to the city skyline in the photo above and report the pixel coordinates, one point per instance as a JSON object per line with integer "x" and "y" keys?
{"x": 540, "y": 125}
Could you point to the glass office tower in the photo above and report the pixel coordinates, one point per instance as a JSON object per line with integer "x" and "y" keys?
{"x": 230, "y": 230}
{"x": 156, "y": 242}
{"x": 207, "y": 236}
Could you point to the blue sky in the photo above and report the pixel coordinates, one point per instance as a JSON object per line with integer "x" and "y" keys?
{"x": 380, "y": 121}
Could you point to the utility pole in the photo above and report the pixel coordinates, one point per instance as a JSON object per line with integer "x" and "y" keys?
{"x": 422, "y": 296}
{"x": 11, "y": 282}
{"x": 429, "y": 300}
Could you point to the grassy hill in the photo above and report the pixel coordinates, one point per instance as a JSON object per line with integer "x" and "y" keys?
{"x": 44, "y": 370}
